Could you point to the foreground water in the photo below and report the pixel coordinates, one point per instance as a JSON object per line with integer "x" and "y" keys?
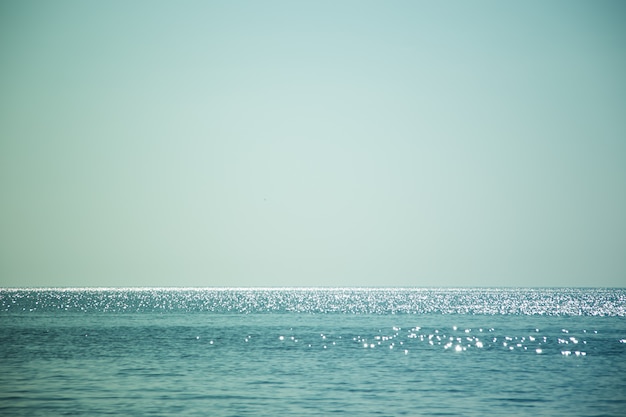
{"x": 254, "y": 352}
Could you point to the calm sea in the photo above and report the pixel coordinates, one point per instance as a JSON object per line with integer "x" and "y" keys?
{"x": 316, "y": 352}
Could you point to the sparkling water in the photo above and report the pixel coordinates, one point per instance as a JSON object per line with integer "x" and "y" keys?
{"x": 256, "y": 352}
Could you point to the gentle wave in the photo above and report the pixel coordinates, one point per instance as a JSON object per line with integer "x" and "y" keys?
{"x": 489, "y": 301}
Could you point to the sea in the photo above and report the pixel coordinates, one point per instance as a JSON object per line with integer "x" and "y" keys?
{"x": 313, "y": 352}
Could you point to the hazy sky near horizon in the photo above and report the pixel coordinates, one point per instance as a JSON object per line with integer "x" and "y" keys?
{"x": 326, "y": 143}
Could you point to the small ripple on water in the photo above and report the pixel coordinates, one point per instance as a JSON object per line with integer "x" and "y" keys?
{"x": 421, "y": 339}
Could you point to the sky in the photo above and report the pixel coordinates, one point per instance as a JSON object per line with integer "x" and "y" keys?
{"x": 322, "y": 143}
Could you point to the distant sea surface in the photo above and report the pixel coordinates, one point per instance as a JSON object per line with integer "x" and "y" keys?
{"x": 313, "y": 352}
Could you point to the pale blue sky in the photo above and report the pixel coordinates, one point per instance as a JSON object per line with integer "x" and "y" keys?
{"x": 334, "y": 143}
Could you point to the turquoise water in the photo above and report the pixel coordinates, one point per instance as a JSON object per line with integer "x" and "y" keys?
{"x": 386, "y": 352}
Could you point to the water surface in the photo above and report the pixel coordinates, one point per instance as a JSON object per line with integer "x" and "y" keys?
{"x": 237, "y": 352}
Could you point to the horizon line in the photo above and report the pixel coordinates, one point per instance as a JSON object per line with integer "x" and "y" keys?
{"x": 275, "y": 288}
